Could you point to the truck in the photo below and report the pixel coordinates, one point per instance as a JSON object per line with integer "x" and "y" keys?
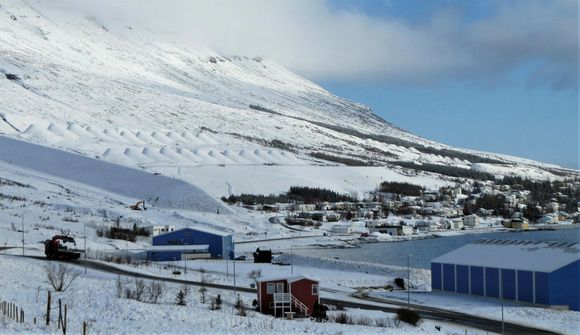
{"x": 61, "y": 247}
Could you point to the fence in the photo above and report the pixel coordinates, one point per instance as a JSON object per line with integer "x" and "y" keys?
{"x": 11, "y": 311}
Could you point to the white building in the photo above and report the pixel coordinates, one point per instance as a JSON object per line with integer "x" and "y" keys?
{"x": 471, "y": 221}
{"x": 547, "y": 219}
{"x": 156, "y": 230}
{"x": 343, "y": 229}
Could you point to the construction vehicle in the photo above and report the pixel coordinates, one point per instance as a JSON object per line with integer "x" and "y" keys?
{"x": 136, "y": 206}
{"x": 61, "y": 247}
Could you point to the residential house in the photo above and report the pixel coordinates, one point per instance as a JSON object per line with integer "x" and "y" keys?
{"x": 282, "y": 295}
{"x": 471, "y": 221}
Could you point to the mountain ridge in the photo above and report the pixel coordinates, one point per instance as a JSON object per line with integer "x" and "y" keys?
{"x": 116, "y": 87}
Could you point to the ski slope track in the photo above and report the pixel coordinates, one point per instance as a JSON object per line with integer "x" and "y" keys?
{"x": 118, "y": 92}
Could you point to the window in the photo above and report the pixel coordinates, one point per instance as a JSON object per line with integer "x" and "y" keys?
{"x": 270, "y": 288}
{"x": 314, "y": 289}
{"x": 280, "y": 287}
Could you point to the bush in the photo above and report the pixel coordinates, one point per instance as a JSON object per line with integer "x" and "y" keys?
{"x": 255, "y": 274}
{"x": 383, "y": 322}
{"x": 319, "y": 312}
{"x": 400, "y": 282}
{"x": 342, "y": 318}
{"x": 216, "y": 303}
{"x": 240, "y": 306}
{"x": 124, "y": 234}
{"x": 181, "y": 298}
{"x": 60, "y": 276}
{"x": 141, "y": 291}
{"x": 409, "y": 316}
{"x": 364, "y": 321}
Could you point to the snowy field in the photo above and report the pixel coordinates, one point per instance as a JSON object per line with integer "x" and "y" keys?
{"x": 566, "y": 322}
{"x": 92, "y": 298}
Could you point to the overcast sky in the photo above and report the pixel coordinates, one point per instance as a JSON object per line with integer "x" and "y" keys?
{"x": 377, "y": 52}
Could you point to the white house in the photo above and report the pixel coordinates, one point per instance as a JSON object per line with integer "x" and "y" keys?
{"x": 157, "y": 230}
{"x": 306, "y": 207}
{"x": 471, "y": 221}
{"x": 423, "y": 225}
{"x": 547, "y": 219}
{"x": 343, "y": 229}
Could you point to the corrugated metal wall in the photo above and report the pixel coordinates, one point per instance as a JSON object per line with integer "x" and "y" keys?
{"x": 525, "y": 286}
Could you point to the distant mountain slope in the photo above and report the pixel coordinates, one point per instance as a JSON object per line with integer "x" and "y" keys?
{"x": 127, "y": 95}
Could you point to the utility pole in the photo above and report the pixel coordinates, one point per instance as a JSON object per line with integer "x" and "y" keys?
{"x": 501, "y": 298}
{"x": 235, "y": 289}
{"x": 22, "y": 234}
{"x": 408, "y": 281}
{"x": 291, "y": 253}
{"x": 85, "y": 247}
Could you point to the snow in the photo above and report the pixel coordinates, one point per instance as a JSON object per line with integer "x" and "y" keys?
{"x": 132, "y": 97}
{"x": 103, "y": 116}
{"x": 523, "y": 255}
{"x": 160, "y": 190}
{"x": 565, "y": 322}
{"x": 92, "y": 298}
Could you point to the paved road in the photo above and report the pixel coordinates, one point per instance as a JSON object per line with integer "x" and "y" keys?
{"x": 361, "y": 301}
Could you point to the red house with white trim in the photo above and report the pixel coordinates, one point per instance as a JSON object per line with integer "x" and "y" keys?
{"x": 296, "y": 294}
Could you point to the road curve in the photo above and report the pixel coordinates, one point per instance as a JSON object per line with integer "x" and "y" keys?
{"x": 364, "y": 302}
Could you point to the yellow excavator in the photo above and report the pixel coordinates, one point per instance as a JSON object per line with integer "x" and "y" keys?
{"x": 140, "y": 205}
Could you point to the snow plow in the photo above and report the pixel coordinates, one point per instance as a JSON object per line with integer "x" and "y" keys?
{"x": 61, "y": 247}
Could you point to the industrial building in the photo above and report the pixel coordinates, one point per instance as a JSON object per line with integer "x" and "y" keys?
{"x": 191, "y": 243}
{"x": 534, "y": 272}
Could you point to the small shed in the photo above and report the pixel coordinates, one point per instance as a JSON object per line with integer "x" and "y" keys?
{"x": 279, "y": 295}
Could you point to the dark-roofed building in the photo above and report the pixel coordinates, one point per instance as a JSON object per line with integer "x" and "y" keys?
{"x": 535, "y": 272}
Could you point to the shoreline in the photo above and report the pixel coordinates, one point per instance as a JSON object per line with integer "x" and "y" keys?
{"x": 358, "y": 242}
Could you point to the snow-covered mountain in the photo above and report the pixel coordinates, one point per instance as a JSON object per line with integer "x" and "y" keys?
{"x": 133, "y": 97}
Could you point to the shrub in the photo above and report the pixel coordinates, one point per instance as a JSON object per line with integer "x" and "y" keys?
{"x": 383, "y": 322}
{"x": 60, "y": 276}
{"x": 409, "y": 316}
{"x": 364, "y": 321}
{"x": 216, "y": 303}
{"x": 154, "y": 291}
{"x": 342, "y": 318}
{"x": 255, "y": 274}
{"x": 124, "y": 234}
{"x": 319, "y": 312}
{"x": 240, "y": 306}
{"x": 181, "y": 298}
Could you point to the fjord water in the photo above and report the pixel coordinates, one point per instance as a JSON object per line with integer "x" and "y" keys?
{"x": 423, "y": 251}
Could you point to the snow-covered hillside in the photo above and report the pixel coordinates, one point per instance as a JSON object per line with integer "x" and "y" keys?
{"x": 121, "y": 93}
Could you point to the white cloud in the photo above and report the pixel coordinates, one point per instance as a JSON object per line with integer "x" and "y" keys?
{"x": 322, "y": 43}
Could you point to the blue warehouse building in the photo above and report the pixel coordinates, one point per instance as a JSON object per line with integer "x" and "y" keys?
{"x": 191, "y": 243}
{"x": 534, "y": 272}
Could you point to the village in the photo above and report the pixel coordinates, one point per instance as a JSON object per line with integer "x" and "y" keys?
{"x": 400, "y": 209}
